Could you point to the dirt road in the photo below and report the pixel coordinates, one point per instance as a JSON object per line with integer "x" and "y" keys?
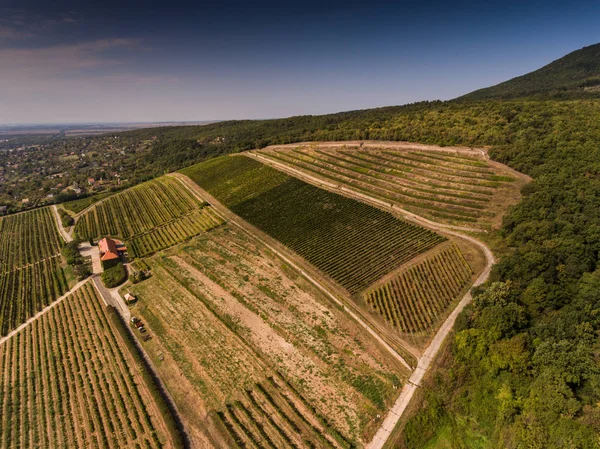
{"x": 43, "y": 311}
{"x": 229, "y": 216}
{"x": 432, "y": 350}
{"x": 414, "y": 381}
{"x": 112, "y": 297}
{"x": 65, "y": 235}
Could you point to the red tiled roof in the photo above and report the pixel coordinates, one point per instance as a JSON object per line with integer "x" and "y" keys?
{"x": 108, "y": 249}
{"x": 109, "y": 256}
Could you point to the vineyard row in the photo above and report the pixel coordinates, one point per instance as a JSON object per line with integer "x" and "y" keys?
{"x": 414, "y": 300}
{"x": 26, "y": 291}
{"x": 27, "y": 238}
{"x": 185, "y": 227}
{"x": 137, "y": 210}
{"x": 66, "y": 381}
{"x": 374, "y": 185}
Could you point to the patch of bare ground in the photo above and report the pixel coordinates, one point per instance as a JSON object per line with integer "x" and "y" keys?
{"x": 229, "y": 319}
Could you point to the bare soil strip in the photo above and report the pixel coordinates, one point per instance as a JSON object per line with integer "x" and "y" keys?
{"x": 430, "y": 353}
{"x": 226, "y": 214}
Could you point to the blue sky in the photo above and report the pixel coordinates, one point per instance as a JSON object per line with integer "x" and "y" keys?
{"x": 68, "y": 61}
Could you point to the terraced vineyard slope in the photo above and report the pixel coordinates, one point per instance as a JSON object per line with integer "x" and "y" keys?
{"x": 31, "y": 274}
{"x": 414, "y": 299}
{"x": 447, "y": 186}
{"x": 353, "y": 243}
{"x": 253, "y": 354}
{"x": 151, "y": 217}
{"x": 68, "y": 381}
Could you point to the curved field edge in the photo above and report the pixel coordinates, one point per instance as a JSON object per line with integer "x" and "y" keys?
{"x": 419, "y": 178}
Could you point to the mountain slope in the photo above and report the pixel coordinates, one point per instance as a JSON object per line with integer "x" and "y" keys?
{"x": 576, "y": 74}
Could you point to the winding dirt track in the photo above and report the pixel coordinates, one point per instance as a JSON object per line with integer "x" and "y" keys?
{"x": 65, "y": 235}
{"x": 414, "y": 381}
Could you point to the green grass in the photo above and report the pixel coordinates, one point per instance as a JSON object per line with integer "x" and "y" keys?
{"x": 353, "y": 243}
{"x": 233, "y": 180}
{"x": 77, "y": 206}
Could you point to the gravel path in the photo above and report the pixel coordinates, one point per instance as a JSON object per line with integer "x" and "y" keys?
{"x": 432, "y": 350}
{"x": 68, "y": 237}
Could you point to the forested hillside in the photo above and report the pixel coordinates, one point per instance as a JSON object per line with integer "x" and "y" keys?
{"x": 576, "y": 74}
{"x": 443, "y": 123}
{"x": 524, "y": 362}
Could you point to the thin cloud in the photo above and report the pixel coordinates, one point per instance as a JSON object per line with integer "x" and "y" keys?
{"x": 19, "y": 25}
{"x": 62, "y": 59}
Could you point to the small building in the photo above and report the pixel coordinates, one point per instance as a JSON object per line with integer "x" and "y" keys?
{"x": 109, "y": 255}
{"x": 110, "y": 251}
{"x": 91, "y": 181}
{"x": 130, "y": 298}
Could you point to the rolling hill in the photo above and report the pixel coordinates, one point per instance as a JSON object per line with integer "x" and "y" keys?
{"x": 576, "y": 74}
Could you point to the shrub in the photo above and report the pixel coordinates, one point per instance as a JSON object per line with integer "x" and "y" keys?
{"x": 114, "y": 276}
{"x": 66, "y": 219}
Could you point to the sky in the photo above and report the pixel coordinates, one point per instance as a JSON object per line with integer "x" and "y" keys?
{"x": 68, "y": 61}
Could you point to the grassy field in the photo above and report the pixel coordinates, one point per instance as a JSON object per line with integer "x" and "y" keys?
{"x": 251, "y": 353}
{"x": 67, "y": 380}
{"x": 31, "y": 274}
{"x": 76, "y": 206}
{"x": 443, "y": 186}
{"x": 353, "y": 243}
{"x": 151, "y": 216}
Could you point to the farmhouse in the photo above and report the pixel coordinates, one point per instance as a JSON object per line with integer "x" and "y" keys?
{"x": 110, "y": 251}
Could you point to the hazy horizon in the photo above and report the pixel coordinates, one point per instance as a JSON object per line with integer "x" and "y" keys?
{"x": 144, "y": 62}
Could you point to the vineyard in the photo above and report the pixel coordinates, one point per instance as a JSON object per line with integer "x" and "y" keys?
{"x": 189, "y": 225}
{"x": 66, "y": 380}
{"x": 25, "y": 291}
{"x": 444, "y": 186}
{"x": 31, "y": 274}
{"x": 273, "y": 415}
{"x": 151, "y": 216}
{"x": 265, "y": 359}
{"x": 352, "y": 242}
{"x": 413, "y": 300}
{"x": 27, "y": 238}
